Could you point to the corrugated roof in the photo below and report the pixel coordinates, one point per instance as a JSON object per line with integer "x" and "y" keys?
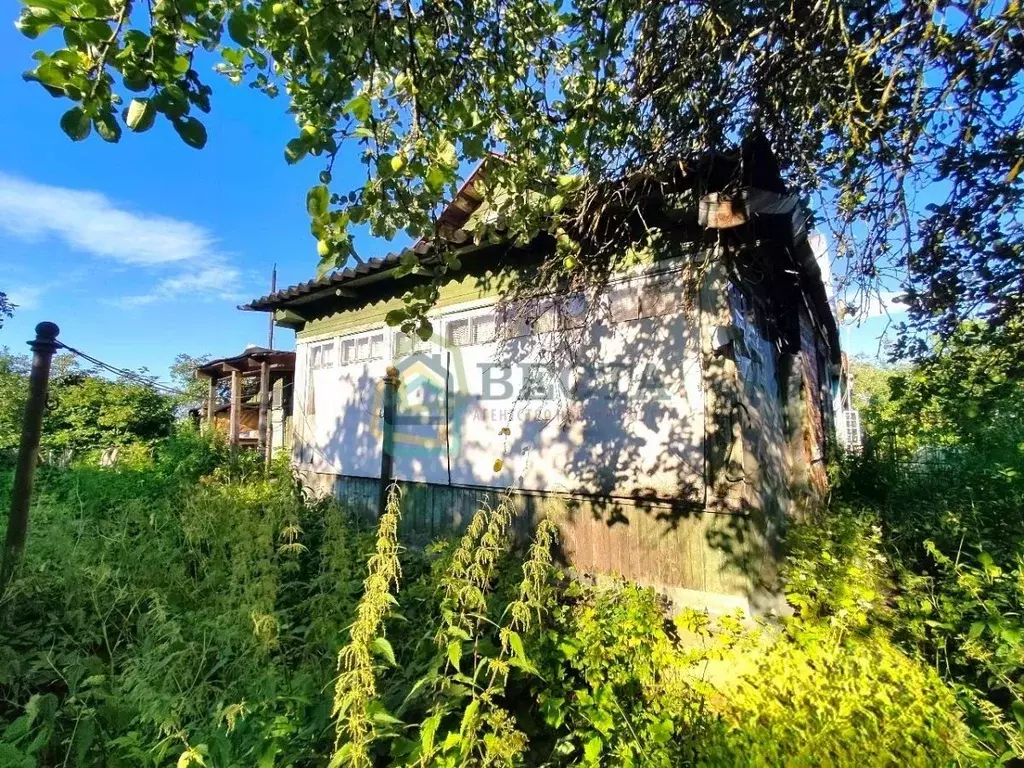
{"x": 455, "y": 215}
{"x": 332, "y": 280}
{"x": 249, "y": 361}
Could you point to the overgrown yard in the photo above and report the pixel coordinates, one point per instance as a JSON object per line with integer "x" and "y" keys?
{"x": 190, "y": 612}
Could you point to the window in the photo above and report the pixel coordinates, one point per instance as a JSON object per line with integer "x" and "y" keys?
{"x": 624, "y": 304}
{"x": 657, "y": 298}
{"x": 573, "y": 311}
{"x": 853, "y": 436}
{"x": 466, "y": 331}
{"x": 377, "y": 346}
{"x": 483, "y": 329}
{"x": 458, "y": 333}
{"x": 403, "y": 344}
{"x": 348, "y": 351}
{"x": 406, "y": 344}
{"x": 321, "y": 356}
{"x": 361, "y": 349}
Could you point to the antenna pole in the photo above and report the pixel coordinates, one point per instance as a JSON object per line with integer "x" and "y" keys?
{"x": 266, "y": 423}
{"x": 273, "y": 289}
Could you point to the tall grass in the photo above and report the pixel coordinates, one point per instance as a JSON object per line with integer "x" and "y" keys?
{"x": 194, "y": 612}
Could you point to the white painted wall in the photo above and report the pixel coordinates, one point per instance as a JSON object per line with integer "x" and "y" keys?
{"x": 624, "y": 417}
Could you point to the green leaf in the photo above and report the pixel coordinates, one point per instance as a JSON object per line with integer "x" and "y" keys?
{"x": 469, "y": 716}
{"x": 359, "y": 107}
{"x": 172, "y": 101}
{"x": 295, "y": 150}
{"x": 1017, "y": 707}
{"x": 239, "y": 29}
{"x": 568, "y": 648}
{"x": 428, "y": 731}
{"x": 32, "y": 25}
{"x": 570, "y": 182}
{"x": 317, "y": 200}
{"x": 592, "y": 749}
{"x": 108, "y": 128}
{"x": 136, "y": 82}
{"x": 57, "y": 6}
{"x": 140, "y": 115}
{"x": 48, "y": 74}
{"x": 455, "y": 653}
{"x": 425, "y": 330}
{"x": 662, "y": 730}
{"x": 396, "y": 317}
{"x": 435, "y": 179}
{"x": 192, "y": 132}
{"x": 76, "y": 124}
{"x": 516, "y": 642}
{"x": 382, "y": 647}
{"x": 379, "y": 714}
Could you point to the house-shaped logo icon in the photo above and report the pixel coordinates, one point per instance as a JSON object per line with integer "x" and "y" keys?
{"x": 429, "y": 400}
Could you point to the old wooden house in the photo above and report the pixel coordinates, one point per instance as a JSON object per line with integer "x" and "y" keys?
{"x": 690, "y": 415}
{"x": 249, "y": 398}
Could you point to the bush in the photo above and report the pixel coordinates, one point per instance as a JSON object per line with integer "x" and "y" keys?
{"x": 155, "y": 615}
{"x": 194, "y": 612}
{"x": 954, "y": 538}
{"x": 855, "y": 702}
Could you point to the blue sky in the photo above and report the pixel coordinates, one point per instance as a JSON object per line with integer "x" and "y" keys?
{"x": 143, "y": 249}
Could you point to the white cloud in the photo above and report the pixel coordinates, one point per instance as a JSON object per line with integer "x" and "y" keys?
{"x": 25, "y": 296}
{"x": 863, "y": 306}
{"x": 187, "y": 254}
{"x": 213, "y": 282}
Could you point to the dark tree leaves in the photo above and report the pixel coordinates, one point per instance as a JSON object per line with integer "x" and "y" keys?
{"x": 902, "y": 121}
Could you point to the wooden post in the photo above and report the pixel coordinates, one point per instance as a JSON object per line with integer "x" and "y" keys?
{"x": 388, "y": 404}
{"x": 43, "y": 347}
{"x": 211, "y": 406}
{"x": 236, "y": 406}
{"x": 264, "y": 405}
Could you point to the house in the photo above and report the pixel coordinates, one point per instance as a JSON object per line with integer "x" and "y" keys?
{"x": 670, "y": 419}
{"x": 254, "y": 409}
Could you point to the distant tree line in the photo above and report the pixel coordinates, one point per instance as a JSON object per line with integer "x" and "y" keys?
{"x": 87, "y": 411}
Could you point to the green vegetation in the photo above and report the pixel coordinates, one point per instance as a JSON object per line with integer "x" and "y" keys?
{"x": 866, "y": 104}
{"x": 187, "y": 609}
{"x": 193, "y": 612}
{"x": 86, "y": 412}
{"x": 6, "y": 308}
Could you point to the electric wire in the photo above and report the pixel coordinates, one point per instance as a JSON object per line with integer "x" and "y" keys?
{"x": 123, "y": 373}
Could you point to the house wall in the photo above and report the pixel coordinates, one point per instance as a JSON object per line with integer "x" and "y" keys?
{"x": 248, "y": 423}
{"x": 622, "y": 417}
{"x": 623, "y": 468}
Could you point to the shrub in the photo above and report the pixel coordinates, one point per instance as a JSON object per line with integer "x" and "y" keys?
{"x": 850, "y": 703}
{"x": 194, "y": 611}
{"x": 954, "y": 540}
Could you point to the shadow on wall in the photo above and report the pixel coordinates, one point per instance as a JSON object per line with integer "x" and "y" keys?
{"x": 610, "y": 442}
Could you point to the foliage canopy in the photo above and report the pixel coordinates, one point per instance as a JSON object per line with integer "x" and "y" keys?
{"x": 903, "y": 118}
{"x": 85, "y": 411}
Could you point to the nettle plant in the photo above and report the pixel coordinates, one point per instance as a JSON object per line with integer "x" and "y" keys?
{"x": 453, "y": 710}
{"x": 866, "y": 103}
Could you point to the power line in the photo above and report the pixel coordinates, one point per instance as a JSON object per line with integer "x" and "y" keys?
{"x": 123, "y": 373}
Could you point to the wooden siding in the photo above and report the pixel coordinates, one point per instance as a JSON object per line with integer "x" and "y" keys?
{"x": 661, "y": 544}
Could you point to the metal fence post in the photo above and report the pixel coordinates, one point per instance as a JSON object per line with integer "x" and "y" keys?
{"x": 43, "y": 347}
{"x": 390, "y": 384}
